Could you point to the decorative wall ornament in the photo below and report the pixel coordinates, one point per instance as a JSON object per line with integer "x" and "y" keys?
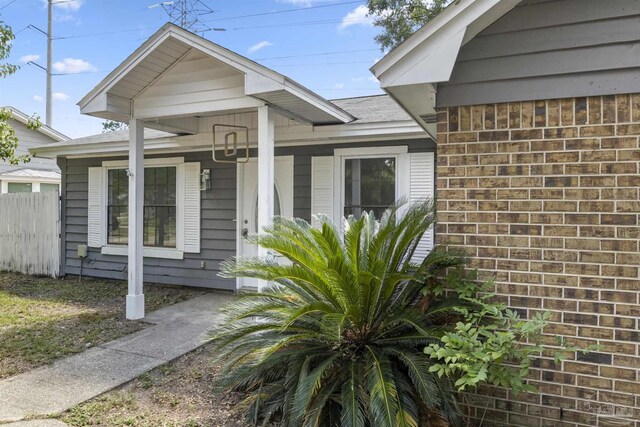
{"x": 233, "y": 142}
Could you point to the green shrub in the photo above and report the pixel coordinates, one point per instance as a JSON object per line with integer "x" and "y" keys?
{"x": 337, "y": 337}
{"x": 350, "y": 332}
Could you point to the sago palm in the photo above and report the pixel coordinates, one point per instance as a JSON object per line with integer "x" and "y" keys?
{"x": 336, "y": 338}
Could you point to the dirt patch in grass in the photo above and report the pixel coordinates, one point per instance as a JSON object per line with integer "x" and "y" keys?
{"x": 43, "y": 319}
{"x": 180, "y": 393}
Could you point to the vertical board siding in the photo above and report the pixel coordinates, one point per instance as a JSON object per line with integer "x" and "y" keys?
{"x": 217, "y": 217}
{"x": 29, "y": 233}
{"x": 551, "y": 49}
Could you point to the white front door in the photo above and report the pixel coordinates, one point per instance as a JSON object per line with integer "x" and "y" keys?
{"x": 248, "y": 193}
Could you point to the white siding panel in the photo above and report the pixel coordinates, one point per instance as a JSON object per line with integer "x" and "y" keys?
{"x": 421, "y": 188}
{"x": 322, "y": 186}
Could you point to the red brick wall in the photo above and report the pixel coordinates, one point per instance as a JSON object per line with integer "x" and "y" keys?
{"x": 545, "y": 197}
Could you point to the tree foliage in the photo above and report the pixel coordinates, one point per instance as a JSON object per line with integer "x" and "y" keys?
{"x": 398, "y": 19}
{"x": 8, "y": 139}
{"x": 112, "y": 126}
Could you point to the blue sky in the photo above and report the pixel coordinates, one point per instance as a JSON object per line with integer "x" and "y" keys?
{"x": 326, "y": 45}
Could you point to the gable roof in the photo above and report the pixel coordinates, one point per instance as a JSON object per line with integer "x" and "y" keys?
{"x": 410, "y": 72}
{"x": 111, "y": 98}
{"x": 428, "y": 56}
{"x": 43, "y": 129}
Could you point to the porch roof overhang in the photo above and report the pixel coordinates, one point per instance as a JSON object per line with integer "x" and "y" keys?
{"x": 114, "y": 98}
{"x": 410, "y": 73}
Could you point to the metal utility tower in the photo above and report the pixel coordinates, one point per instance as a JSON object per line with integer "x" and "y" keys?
{"x": 187, "y": 13}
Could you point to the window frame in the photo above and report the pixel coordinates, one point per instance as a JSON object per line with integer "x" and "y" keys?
{"x": 148, "y": 251}
{"x": 341, "y": 155}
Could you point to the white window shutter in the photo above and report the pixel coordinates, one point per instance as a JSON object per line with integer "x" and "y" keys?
{"x": 421, "y": 187}
{"x": 322, "y": 188}
{"x": 96, "y": 224}
{"x": 192, "y": 207}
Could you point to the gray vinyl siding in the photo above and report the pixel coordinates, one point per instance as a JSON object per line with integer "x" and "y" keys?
{"x": 546, "y": 49}
{"x": 218, "y": 211}
{"x": 218, "y": 242}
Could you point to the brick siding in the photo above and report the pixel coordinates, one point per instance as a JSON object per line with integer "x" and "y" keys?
{"x": 545, "y": 197}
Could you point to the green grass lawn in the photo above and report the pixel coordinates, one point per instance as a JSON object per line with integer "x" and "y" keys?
{"x": 43, "y": 319}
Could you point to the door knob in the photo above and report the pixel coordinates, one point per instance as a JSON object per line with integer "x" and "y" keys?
{"x": 245, "y": 232}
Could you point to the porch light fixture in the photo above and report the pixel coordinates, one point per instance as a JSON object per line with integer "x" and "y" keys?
{"x": 205, "y": 180}
{"x": 233, "y": 141}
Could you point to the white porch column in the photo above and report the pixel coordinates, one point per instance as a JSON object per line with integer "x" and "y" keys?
{"x": 266, "y": 137}
{"x": 135, "y": 297}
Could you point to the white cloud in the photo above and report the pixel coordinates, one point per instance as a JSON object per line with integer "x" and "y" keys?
{"x": 358, "y": 16}
{"x": 72, "y": 66}
{"x": 38, "y": 98}
{"x": 63, "y": 17}
{"x": 69, "y": 5}
{"x": 305, "y": 3}
{"x": 59, "y": 96}
{"x": 338, "y": 86}
{"x": 256, "y": 47}
{"x": 28, "y": 58}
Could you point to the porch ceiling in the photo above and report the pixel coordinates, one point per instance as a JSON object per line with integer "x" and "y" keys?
{"x": 177, "y": 76}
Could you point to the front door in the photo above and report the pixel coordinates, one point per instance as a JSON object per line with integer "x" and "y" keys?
{"x": 283, "y": 203}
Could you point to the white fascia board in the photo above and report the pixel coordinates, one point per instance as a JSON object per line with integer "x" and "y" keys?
{"x": 310, "y": 97}
{"x": 422, "y": 34}
{"x": 417, "y": 100}
{"x": 43, "y": 129}
{"x": 113, "y": 105}
{"x": 428, "y": 55}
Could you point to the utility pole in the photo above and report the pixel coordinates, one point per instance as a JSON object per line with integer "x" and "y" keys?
{"x": 48, "y": 116}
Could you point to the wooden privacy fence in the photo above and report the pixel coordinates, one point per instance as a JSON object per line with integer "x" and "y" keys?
{"x": 29, "y": 233}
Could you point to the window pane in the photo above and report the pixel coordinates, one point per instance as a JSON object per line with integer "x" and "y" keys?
{"x": 117, "y": 207}
{"x": 159, "y": 222}
{"x": 49, "y": 188}
{"x": 19, "y": 187}
{"x": 370, "y": 185}
{"x": 277, "y": 207}
{"x": 160, "y": 226}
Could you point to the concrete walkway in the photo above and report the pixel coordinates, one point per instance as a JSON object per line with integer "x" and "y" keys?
{"x": 177, "y": 330}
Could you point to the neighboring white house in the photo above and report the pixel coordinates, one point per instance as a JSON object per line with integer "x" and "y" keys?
{"x": 39, "y": 174}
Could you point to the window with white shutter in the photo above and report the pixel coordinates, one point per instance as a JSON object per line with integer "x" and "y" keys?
{"x": 171, "y": 208}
